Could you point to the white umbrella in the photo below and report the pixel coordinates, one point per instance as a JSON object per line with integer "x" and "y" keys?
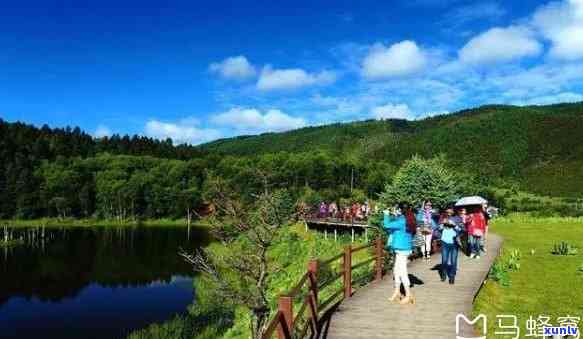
{"x": 474, "y": 200}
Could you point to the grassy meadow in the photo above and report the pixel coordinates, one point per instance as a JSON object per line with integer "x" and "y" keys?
{"x": 546, "y": 284}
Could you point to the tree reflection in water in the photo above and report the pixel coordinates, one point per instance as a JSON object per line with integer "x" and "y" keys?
{"x": 59, "y": 264}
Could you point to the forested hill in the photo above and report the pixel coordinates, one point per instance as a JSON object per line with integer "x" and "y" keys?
{"x": 66, "y": 172}
{"x": 542, "y": 146}
{"x": 20, "y": 139}
{"x": 479, "y": 123}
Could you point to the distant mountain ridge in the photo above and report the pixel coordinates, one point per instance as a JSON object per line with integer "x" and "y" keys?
{"x": 540, "y": 146}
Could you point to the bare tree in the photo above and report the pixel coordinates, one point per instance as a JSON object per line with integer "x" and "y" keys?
{"x": 240, "y": 268}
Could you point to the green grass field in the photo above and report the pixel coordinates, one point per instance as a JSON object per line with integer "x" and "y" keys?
{"x": 546, "y": 284}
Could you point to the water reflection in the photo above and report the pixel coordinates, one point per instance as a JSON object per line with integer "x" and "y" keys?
{"x": 104, "y": 269}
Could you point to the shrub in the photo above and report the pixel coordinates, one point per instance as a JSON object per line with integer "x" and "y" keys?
{"x": 503, "y": 266}
{"x": 563, "y": 248}
{"x": 499, "y": 274}
{"x": 513, "y": 262}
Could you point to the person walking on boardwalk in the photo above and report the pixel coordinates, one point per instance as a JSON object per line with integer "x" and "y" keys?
{"x": 465, "y": 220}
{"x": 346, "y": 214}
{"x": 323, "y": 212}
{"x": 487, "y": 218}
{"x": 425, "y": 236}
{"x": 333, "y": 210}
{"x": 400, "y": 242}
{"x": 476, "y": 231}
{"x": 458, "y": 220}
{"x": 354, "y": 210}
{"x": 449, "y": 248}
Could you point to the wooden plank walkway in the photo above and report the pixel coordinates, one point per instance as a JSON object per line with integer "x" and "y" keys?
{"x": 369, "y": 314}
{"x": 336, "y": 222}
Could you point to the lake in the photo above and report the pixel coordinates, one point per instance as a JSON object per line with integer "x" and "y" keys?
{"x": 97, "y": 282}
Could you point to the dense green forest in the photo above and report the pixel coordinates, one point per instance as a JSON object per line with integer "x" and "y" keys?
{"x": 68, "y": 173}
{"x": 540, "y": 147}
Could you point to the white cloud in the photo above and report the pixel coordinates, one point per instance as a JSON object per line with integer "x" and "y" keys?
{"x": 390, "y": 111}
{"x": 235, "y": 68}
{"x": 102, "y": 131}
{"x": 570, "y": 45}
{"x": 562, "y": 23}
{"x": 500, "y": 44}
{"x": 190, "y": 120}
{"x": 540, "y": 80}
{"x": 253, "y": 120}
{"x": 341, "y": 106}
{"x": 180, "y": 133}
{"x": 551, "y": 99}
{"x": 470, "y": 13}
{"x": 446, "y": 78}
{"x": 239, "y": 118}
{"x": 350, "y": 55}
{"x": 422, "y": 96}
{"x": 400, "y": 59}
{"x": 293, "y": 78}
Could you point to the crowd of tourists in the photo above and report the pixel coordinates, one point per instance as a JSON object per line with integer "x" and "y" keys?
{"x": 349, "y": 212}
{"x": 425, "y": 231}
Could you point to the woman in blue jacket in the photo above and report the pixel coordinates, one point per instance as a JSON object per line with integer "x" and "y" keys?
{"x": 400, "y": 242}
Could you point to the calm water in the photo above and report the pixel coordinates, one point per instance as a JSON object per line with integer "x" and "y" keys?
{"x": 94, "y": 282}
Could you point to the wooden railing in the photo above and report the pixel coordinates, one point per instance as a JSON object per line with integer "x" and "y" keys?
{"x": 288, "y": 325}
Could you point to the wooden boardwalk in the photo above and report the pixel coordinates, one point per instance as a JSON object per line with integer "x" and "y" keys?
{"x": 338, "y": 222}
{"x": 369, "y": 314}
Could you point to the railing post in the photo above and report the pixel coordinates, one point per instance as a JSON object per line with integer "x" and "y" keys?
{"x": 312, "y": 296}
{"x": 285, "y": 306}
{"x": 379, "y": 259}
{"x": 347, "y": 271}
{"x": 313, "y": 270}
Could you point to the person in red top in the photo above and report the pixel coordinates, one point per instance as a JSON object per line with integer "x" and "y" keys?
{"x": 346, "y": 215}
{"x": 476, "y": 232}
{"x": 354, "y": 210}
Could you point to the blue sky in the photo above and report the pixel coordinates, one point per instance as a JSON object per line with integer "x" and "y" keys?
{"x": 196, "y": 71}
